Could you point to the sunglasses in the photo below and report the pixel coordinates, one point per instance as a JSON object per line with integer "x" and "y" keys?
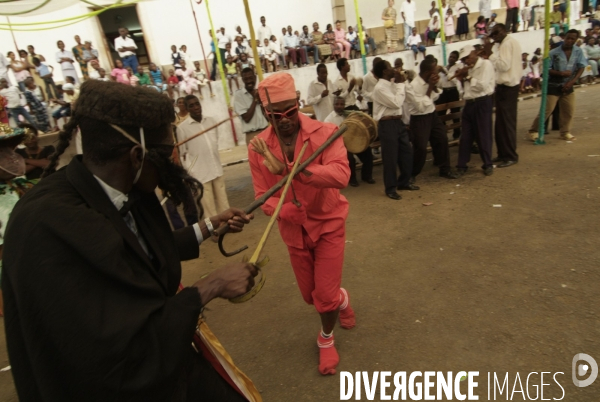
{"x": 288, "y": 114}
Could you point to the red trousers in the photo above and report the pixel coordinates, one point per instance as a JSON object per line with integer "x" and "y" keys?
{"x": 318, "y": 269}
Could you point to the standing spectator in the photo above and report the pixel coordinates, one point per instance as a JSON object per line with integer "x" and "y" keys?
{"x": 337, "y": 117}
{"x": 78, "y": 53}
{"x": 512, "y": 15}
{"x": 538, "y": 16}
{"x": 462, "y": 24}
{"x": 451, "y": 87}
{"x": 65, "y": 58}
{"x": 175, "y": 58}
{"x": 232, "y": 74}
{"x": 507, "y": 62}
{"x": 20, "y": 68}
{"x": 203, "y": 152}
{"x": 223, "y": 40}
{"x": 449, "y": 30}
{"x": 477, "y": 78}
{"x": 263, "y": 32}
{"x": 485, "y": 9}
{"x": 320, "y": 93}
{"x": 340, "y": 39}
{"x": 4, "y": 63}
{"x": 389, "y": 16}
{"x": 369, "y": 82}
{"x": 185, "y": 55}
{"x": 280, "y": 43}
{"x": 36, "y": 157}
{"x": 126, "y": 48}
{"x": 13, "y": 98}
{"x": 213, "y": 52}
{"x": 36, "y": 106}
{"x": 46, "y": 73}
{"x": 89, "y": 55}
{"x": 247, "y": 105}
{"x": 119, "y": 73}
{"x": 567, "y": 63}
{"x": 187, "y": 79}
{"x": 202, "y": 80}
{"x": 396, "y": 151}
{"x": 425, "y": 124}
{"x": 239, "y": 34}
{"x": 240, "y": 48}
{"x": 408, "y": 11}
{"x": 36, "y": 77}
{"x": 307, "y": 41}
{"x": 368, "y": 39}
{"x": 414, "y": 44}
{"x": 526, "y": 15}
{"x": 329, "y": 38}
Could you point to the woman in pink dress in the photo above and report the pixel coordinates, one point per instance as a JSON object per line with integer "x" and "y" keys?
{"x": 340, "y": 39}
{"x": 188, "y": 82}
{"x": 119, "y": 73}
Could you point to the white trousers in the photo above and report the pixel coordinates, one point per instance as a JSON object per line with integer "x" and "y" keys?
{"x": 214, "y": 199}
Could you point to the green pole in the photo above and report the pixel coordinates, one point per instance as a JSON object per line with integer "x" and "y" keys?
{"x": 442, "y": 31}
{"x": 545, "y": 75}
{"x": 360, "y": 38}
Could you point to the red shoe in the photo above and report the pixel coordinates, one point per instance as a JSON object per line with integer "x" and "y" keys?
{"x": 347, "y": 317}
{"x": 328, "y": 355}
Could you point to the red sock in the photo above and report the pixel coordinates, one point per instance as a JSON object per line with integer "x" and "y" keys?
{"x": 347, "y": 318}
{"x": 328, "y": 356}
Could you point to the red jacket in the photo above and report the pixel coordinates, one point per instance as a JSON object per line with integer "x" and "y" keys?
{"x": 326, "y": 208}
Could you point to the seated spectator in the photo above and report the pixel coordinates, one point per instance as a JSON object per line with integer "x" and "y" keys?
{"x": 240, "y": 48}
{"x": 119, "y": 73}
{"x": 526, "y": 77}
{"x": 172, "y": 83}
{"x": 157, "y": 77}
{"x": 46, "y": 73}
{"x": 340, "y": 39}
{"x": 229, "y": 53}
{"x": 94, "y": 70}
{"x": 70, "y": 95}
{"x": 36, "y": 157}
{"x": 269, "y": 55}
{"x": 308, "y": 43}
{"x": 414, "y": 43}
{"x": 143, "y": 77}
{"x": 367, "y": 38}
{"x": 244, "y": 62}
{"x": 187, "y": 78}
{"x": 232, "y": 74}
{"x": 102, "y": 77}
{"x": 352, "y": 38}
{"x": 480, "y": 28}
{"x": 592, "y": 52}
{"x": 556, "y": 19}
{"x": 202, "y": 79}
{"x": 134, "y": 81}
{"x": 434, "y": 29}
{"x": 492, "y": 22}
{"x": 36, "y": 104}
{"x": 13, "y": 102}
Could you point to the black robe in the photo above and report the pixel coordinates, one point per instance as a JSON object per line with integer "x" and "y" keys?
{"x": 88, "y": 315}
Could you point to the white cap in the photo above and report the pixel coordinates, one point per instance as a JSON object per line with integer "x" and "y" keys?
{"x": 465, "y": 51}
{"x": 68, "y": 87}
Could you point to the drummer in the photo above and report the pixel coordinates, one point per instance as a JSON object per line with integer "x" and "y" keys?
{"x": 315, "y": 232}
{"x": 366, "y": 157}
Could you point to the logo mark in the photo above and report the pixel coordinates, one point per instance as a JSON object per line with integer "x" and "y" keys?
{"x": 583, "y": 369}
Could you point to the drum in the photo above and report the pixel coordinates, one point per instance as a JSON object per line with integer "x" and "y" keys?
{"x": 361, "y": 132}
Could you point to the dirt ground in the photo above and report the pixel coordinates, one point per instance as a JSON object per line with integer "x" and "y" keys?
{"x": 458, "y": 285}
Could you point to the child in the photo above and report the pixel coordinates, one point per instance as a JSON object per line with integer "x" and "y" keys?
{"x": 71, "y": 80}
{"x": 480, "y": 28}
{"x": 243, "y": 63}
{"x": 525, "y": 79}
{"x": 133, "y": 80}
{"x": 13, "y": 97}
{"x": 66, "y": 104}
{"x": 269, "y": 55}
{"x": 119, "y": 74}
{"x": 535, "y": 73}
{"x": 46, "y": 73}
{"x": 449, "y": 26}
{"x": 414, "y": 43}
{"x": 102, "y": 75}
{"x": 492, "y": 22}
{"x": 172, "y": 83}
{"x": 143, "y": 77}
{"x": 36, "y": 106}
{"x": 202, "y": 80}
{"x": 526, "y": 15}
{"x": 231, "y": 70}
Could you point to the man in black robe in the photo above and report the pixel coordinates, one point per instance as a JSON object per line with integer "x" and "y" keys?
{"x": 92, "y": 269}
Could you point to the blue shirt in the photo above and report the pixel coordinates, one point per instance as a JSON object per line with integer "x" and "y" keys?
{"x": 156, "y": 76}
{"x": 559, "y": 62}
{"x": 42, "y": 69}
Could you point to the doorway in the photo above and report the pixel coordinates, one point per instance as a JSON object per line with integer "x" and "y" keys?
{"x": 127, "y": 17}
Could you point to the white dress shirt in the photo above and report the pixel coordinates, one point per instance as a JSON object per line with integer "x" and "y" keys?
{"x": 202, "y": 153}
{"x": 507, "y": 62}
{"x": 369, "y": 82}
{"x": 416, "y": 97}
{"x": 334, "y": 118}
{"x": 485, "y": 8}
{"x": 445, "y": 80}
{"x": 322, "y": 105}
{"x": 263, "y": 33}
{"x": 409, "y": 10}
{"x": 65, "y": 65}
{"x": 291, "y": 41}
{"x": 342, "y": 84}
{"x": 127, "y": 42}
{"x": 12, "y": 95}
{"x": 388, "y": 99}
{"x": 483, "y": 81}
{"x": 223, "y": 39}
{"x": 350, "y": 37}
{"x": 414, "y": 40}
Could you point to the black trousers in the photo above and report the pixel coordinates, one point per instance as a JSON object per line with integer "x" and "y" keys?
{"x": 450, "y": 95}
{"x": 366, "y": 172}
{"x": 429, "y": 128}
{"x": 506, "y": 122}
{"x": 512, "y": 19}
{"x": 370, "y": 106}
{"x": 396, "y": 152}
{"x": 476, "y": 126}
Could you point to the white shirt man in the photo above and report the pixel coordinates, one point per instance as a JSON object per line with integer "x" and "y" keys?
{"x": 418, "y": 101}
{"x": 369, "y": 82}
{"x": 323, "y": 105}
{"x": 223, "y": 39}
{"x": 485, "y": 8}
{"x": 201, "y": 157}
{"x": 507, "y": 60}
{"x": 409, "y": 9}
{"x": 262, "y": 33}
{"x": 482, "y": 80}
{"x": 334, "y": 118}
{"x": 124, "y": 42}
{"x": 388, "y": 98}
{"x": 344, "y": 85}
{"x": 448, "y": 80}
{"x": 351, "y": 36}
{"x": 291, "y": 40}
{"x": 414, "y": 40}
{"x": 242, "y": 103}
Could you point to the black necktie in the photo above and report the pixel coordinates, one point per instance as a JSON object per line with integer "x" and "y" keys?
{"x": 132, "y": 198}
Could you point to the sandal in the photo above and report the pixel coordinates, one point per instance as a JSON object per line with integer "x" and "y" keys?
{"x": 567, "y": 137}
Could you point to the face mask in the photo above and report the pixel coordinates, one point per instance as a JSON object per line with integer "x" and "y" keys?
{"x": 142, "y": 143}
